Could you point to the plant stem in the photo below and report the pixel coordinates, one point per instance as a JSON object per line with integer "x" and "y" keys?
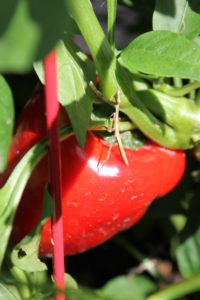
{"x": 52, "y": 109}
{"x": 192, "y": 93}
{"x": 177, "y": 82}
{"x": 134, "y": 252}
{"x": 105, "y": 61}
{"x": 124, "y": 243}
{"x": 112, "y": 12}
{"x": 178, "y": 290}
{"x": 197, "y": 99}
{"x": 181, "y": 91}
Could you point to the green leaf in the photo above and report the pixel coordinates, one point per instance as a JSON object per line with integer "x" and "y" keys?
{"x": 169, "y": 15}
{"x": 9, "y": 292}
{"x": 191, "y": 28}
{"x": 131, "y": 287}
{"x": 70, "y": 282}
{"x": 6, "y": 121}
{"x": 178, "y": 16}
{"x": 188, "y": 253}
{"x": 74, "y": 71}
{"x": 25, "y": 254}
{"x": 74, "y": 92}
{"x": 163, "y": 53}
{"x": 29, "y": 30}
{"x": 11, "y": 193}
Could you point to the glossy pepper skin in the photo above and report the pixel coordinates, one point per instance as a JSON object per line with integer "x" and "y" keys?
{"x": 101, "y": 195}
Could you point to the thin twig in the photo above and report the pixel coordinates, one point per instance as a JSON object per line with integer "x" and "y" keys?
{"x": 99, "y": 95}
{"x": 115, "y": 128}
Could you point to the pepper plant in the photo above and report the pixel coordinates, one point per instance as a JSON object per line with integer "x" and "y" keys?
{"x": 145, "y": 97}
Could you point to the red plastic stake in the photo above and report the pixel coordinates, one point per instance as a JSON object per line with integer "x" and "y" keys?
{"x": 52, "y": 109}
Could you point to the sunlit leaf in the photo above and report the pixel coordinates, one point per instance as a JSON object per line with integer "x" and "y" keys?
{"x": 163, "y": 53}
{"x": 74, "y": 71}
{"x": 178, "y": 16}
